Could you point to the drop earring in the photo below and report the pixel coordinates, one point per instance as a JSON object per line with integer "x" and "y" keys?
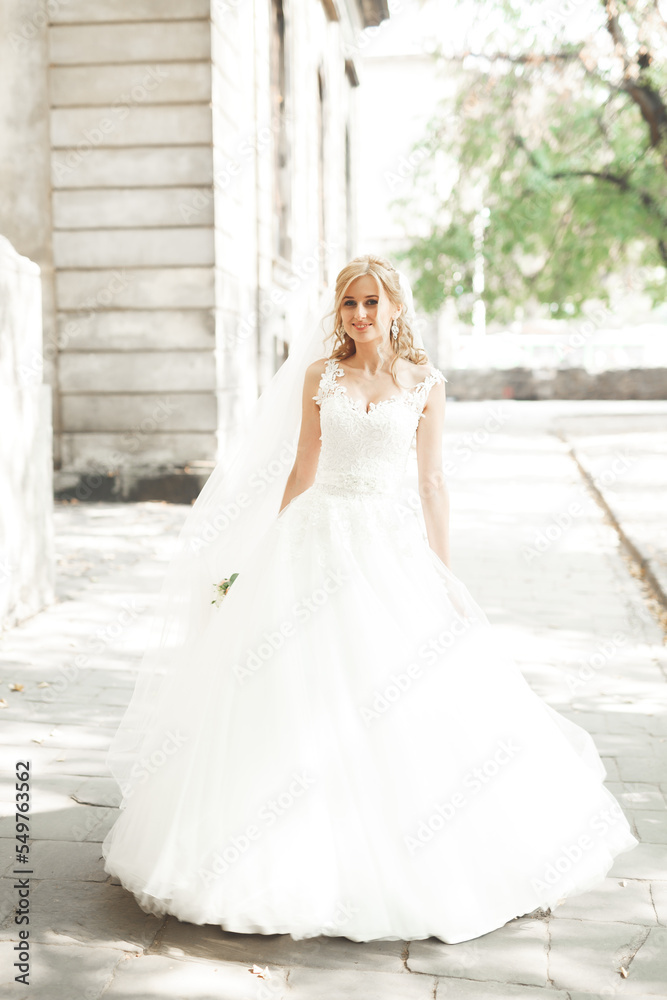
{"x": 394, "y": 329}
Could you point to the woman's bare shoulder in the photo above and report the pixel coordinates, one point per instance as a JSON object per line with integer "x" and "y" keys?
{"x": 313, "y": 375}
{"x": 416, "y": 373}
{"x": 316, "y": 367}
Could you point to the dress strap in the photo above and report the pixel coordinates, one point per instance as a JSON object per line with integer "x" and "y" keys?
{"x": 327, "y": 386}
{"x": 424, "y": 387}
{"x": 422, "y": 390}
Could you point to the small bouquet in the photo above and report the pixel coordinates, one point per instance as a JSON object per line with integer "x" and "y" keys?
{"x": 222, "y": 588}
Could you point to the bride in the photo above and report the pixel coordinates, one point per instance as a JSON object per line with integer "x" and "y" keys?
{"x": 326, "y": 736}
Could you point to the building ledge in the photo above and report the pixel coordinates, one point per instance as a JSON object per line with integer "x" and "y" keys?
{"x": 373, "y": 12}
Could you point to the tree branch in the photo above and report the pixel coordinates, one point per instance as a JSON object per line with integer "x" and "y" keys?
{"x": 614, "y": 29}
{"x": 602, "y": 175}
{"x": 647, "y": 200}
{"x": 645, "y": 97}
{"x": 620, "y": 181}
{"x": 531, "y": 58}
{"x": 652, "y": 109}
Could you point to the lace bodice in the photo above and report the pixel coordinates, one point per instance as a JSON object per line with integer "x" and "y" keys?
{"x": 366, "y": 451}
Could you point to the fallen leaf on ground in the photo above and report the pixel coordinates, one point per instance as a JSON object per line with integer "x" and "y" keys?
{"x": 260, "y": 973}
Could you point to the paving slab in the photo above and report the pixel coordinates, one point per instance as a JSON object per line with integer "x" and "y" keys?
{"x": 589, "y": 955}
{"x": 98, "y": 792}
{"x": 60, "y": 972}
{"x": 576, "y": 995}
{"x": 73, "y": 912}
{"x": 471, "y": 989}
{"x": 640, "y": 795}
{"x": 56, "y": 760}
{"x": 515, "y": 953}
{"x": 645, "y": 861}
{"x": 178, "y": 939}
{"x": 61, "y": 711}
{"x": 48, "y": 792}
{"x": 74, "y": 823}
{"x": 659, "y": 896}
{"x": 651, "y": 826}
{"x": 63, "y": 859}
{"x": 7, "y": 854}
{"x": 308, "y": 984}
{"x": 629, "y": 897}
{"x": 154, "y": 976}
{"x": 647, "y": 970}
{"x": 651, "y": 769}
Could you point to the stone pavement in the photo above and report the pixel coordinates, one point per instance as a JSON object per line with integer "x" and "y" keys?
{"x": 541, "y": 553}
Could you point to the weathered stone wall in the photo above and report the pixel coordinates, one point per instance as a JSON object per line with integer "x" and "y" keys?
{"x": 564, "y": 383}
{"x": 131, "y": 136}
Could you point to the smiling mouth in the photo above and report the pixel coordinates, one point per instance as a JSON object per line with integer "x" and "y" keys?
{"x": 360, "y": 326}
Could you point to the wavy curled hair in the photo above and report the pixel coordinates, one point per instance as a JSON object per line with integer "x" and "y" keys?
{"x": 387, "y": 277}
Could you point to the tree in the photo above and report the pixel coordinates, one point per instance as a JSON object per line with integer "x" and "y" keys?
{"x": 565, "y": 142}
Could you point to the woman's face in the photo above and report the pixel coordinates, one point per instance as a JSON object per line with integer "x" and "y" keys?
{"x": 365, "y": 314}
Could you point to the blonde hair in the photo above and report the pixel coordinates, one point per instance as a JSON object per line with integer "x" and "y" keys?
{"x": 386, "y": 277}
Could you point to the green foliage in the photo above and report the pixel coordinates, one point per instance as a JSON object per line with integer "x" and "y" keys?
{"x": 567, "y": 163}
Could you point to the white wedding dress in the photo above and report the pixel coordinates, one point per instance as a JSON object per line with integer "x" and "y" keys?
{"x": 352, "y": 753}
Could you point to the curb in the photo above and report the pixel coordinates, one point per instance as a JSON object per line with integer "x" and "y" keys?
{"x": 642, "y": 562}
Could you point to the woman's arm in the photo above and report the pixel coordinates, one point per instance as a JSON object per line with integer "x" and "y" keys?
{"x": 432, "y": 487}
{"x": 309, "y": 444}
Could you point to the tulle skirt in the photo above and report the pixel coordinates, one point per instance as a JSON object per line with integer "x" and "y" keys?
{"x": 349, "y": 750}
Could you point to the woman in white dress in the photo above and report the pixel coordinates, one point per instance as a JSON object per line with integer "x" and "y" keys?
{"x": 341, "y": 746}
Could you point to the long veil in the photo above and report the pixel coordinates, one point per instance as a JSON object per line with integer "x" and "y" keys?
{"x": 236, "y": 507}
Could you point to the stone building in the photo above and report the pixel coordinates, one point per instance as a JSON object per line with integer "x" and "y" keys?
{"x": 182, "y": 171}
